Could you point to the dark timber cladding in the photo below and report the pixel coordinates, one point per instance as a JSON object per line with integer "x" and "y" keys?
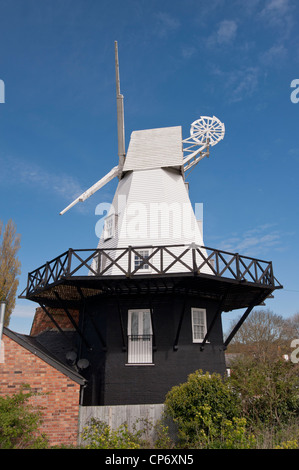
{"x": 113, "y": 380}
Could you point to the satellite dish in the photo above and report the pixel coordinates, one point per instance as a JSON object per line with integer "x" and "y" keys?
{"x": 207, "y": 128}
{"x": 83, "y": 364}
{"x": 71, "y": 357}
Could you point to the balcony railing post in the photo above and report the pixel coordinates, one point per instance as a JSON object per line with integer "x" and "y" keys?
{"x": 130, "y": 261}
{"x": 238, "y": 266}
{"x": 99, "y": 261}
{"x": 45, "y": 280}
{"x": 271, "y": 274}
{"x": 217, "y": 261}
{"x": 194, "y": 260}
{"x": 69, "y": 261}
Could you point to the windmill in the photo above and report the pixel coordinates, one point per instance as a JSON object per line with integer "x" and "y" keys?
{"x": 151, "y": 301}
{"x": 152, "y": 186}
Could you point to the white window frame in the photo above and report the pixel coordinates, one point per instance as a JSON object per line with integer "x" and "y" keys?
{"x": 201, "y": 324}
{"x": 109, "y": 227}
{"x": 145, "y": 267}
{"x": 133, "y": 357}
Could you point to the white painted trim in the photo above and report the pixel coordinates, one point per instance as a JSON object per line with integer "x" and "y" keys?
{"x": 146, "y": 352}
{"x": 143, "y": 269}
{"x": 109, "y": 233}
{"x": 203, "y": 310}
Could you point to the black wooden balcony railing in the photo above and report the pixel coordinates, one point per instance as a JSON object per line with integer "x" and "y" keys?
{"x": 159, "y": 261}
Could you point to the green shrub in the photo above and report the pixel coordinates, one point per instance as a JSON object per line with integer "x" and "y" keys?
{"x": 288, "y": 445}
{"x": 231, "y": 434}
{"x": 200, "y": 406}
{"x": 19, "y": 422}
{"x": 98, "y": 435}
{"x": 268, "y": 390}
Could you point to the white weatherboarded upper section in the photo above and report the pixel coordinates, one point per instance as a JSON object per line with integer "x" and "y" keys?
{"x": 155, "y": 148}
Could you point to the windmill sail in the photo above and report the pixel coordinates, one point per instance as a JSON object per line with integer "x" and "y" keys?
{"x": 89, "y": 192}
{"x": 117, "y": 170}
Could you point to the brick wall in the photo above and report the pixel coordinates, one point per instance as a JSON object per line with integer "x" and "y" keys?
{"x": 61, "y": 405}
{"x": 42, "y": 322}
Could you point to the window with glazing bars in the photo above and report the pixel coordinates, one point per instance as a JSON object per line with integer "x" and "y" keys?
{"x": 139, "y": 259}
{"x": 199, "y": 324}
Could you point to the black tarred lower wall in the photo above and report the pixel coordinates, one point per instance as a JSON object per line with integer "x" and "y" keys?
{"x": 112, "y": 381}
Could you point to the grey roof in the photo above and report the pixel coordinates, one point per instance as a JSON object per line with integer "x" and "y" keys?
{"x": 49, "y": 346}
{"x": 155, "y": 148}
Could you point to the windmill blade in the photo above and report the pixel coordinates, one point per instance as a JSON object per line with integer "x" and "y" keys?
{"x": 89, "y": 192}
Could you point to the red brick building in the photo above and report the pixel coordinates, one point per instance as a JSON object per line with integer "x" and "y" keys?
{"x": 40, "y": 360}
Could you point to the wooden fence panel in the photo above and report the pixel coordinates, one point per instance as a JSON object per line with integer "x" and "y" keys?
{"x": 116, "y": 415}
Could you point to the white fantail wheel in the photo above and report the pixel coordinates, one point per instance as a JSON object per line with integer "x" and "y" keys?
{"x": 207, "y": 128}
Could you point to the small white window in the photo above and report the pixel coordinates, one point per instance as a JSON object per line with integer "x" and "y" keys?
{"x": 140, "y": 258}
{"x": 109, "y": 227}
{"x": 199, "y": 324}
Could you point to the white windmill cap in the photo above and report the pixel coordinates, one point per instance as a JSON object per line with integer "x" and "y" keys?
{"x": 155, "y": 148}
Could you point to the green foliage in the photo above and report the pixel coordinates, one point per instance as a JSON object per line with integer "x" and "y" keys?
{"x": 268, "y": 389}
{"x": 257, "y": 407}
{"x": 98, "y": 435}
{"x": 235, "y": 435}
{"x": 288, "y": 445}
{"x": 163, "y": 439}
{"x": 229, "y": 434}
{"x": 19, "y": 422}
{"x": 10, "y": 266}
{"x": 200, "y": 406}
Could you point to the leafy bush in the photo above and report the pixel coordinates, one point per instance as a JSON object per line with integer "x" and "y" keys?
{"x": 200, "y": 406}
{"x": 232, "y": 434}
{"x": 98, "y": 435}
{"x": 288, "y": 445}
{"x": 19, "y": 422}
{"x": 268, "y": 389}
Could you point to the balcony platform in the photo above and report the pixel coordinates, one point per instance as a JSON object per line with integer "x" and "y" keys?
{"x": 75, "y": 275}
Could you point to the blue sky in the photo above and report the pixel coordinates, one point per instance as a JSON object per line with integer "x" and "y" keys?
{"x": 178, "y": 60}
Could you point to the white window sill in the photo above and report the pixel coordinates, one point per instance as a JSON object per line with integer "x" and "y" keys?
{"x": 140, "y": 364}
